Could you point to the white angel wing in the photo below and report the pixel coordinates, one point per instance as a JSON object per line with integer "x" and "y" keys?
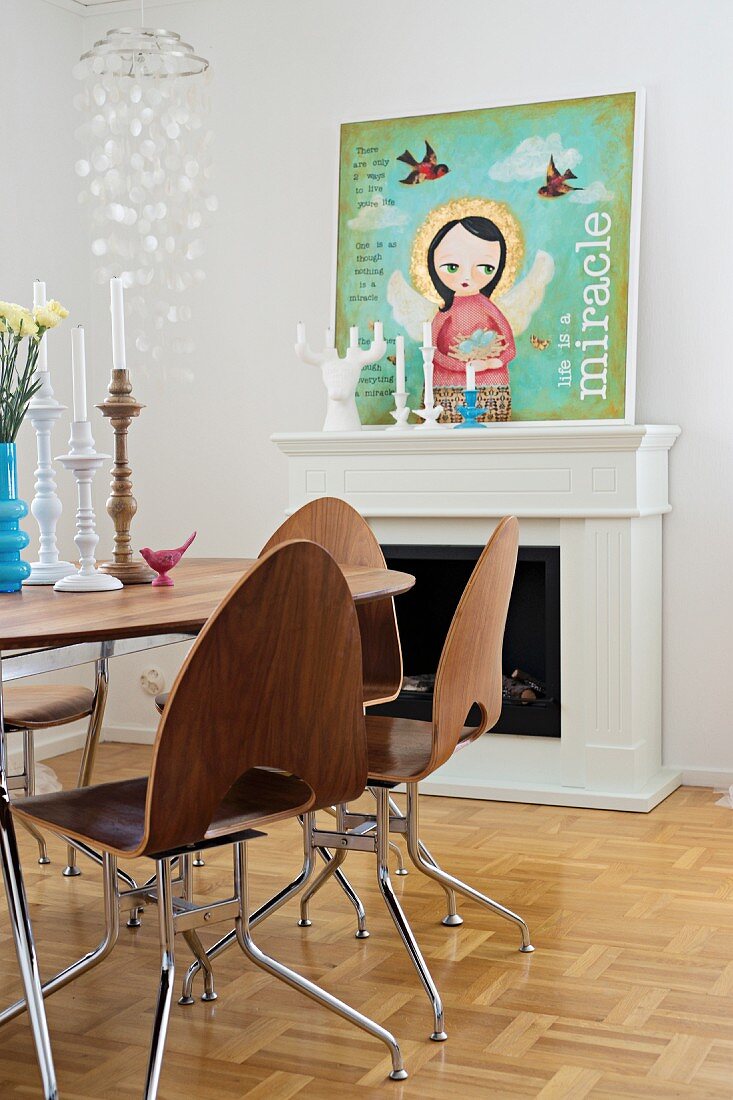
{"x": 409, "y": 308}
{"x": 521, "y": 300}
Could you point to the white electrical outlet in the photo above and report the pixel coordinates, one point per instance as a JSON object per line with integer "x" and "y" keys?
{"x": 152, "y": 681}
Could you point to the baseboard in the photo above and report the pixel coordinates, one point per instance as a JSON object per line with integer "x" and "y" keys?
{"x": 132, "y": 735}
{"x": 706, "y": 777}
{"x": 49, "y": 743}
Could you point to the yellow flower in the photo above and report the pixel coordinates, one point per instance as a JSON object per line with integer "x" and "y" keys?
{"x": 17, "y": 319}
{"x": 50, "y": 315}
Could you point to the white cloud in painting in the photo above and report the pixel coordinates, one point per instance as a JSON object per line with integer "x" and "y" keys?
{"x": 530, "y": 159}
{"x": 377, "y": 217}
{"x": 594, "y": 192}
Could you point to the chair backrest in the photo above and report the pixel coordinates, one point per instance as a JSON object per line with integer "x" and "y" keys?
{"x": 347, "y": 536}
{"x": 273, "y": 680}
{"x": 470, "y": 665}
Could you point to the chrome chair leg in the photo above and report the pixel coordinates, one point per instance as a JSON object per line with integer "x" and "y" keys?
{"x": 333, "y": 863}
{"x": 94, "y": 730}
{"x": 400, "y": 869}
{"x": 198, "y": 859}
{"x": 29, "y": 767}
{"x": 187, "y": 875}
{"x": 296, "y": 981}
{"x": 92, "y": 958}
{"x": 22, "y": 931}
{"x": 433, "y": 871}
{"x": 167, "y": 974}
{"x": 269, "y": 907}
{"x": 452, "y": 918}
{"x": 333, "y": 868}
{"x": 192, "y": 939}
{"x": 395, "y": 910}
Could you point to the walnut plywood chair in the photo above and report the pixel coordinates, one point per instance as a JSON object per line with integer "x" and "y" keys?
{"x": 338, "y": 527}
{"x": 405, "y": 751}
{"x": 31, "y": 707}
{"x": 225, "y": 762}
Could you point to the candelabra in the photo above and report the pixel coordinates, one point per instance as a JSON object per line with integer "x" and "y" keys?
{"x": 84, "y": 462}
{"x": 341, "y": 376}
{"x": 120, "y": 407}
{"x": 431, "y": 412}
{"x": 400, "y": 413}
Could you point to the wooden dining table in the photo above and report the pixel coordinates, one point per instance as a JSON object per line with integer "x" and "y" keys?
{"x": 43, "y": 631}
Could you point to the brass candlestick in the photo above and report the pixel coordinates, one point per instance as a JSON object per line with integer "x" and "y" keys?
{"x": 120, "y": 408}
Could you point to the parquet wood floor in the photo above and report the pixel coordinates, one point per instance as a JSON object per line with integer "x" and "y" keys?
{"x": 629, "y": 993}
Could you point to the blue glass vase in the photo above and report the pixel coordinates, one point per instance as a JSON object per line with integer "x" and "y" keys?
{"x": 13, "y": 571}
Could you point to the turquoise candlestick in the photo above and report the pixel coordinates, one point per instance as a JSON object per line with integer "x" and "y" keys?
{"x": 13, "y": 571}
{"x": 470, "y": 412}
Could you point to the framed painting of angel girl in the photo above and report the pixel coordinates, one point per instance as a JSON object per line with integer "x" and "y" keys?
{"x": 513, "y": 231}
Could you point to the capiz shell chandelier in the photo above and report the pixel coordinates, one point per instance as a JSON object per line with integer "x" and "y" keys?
{"x": 146, "y": 177}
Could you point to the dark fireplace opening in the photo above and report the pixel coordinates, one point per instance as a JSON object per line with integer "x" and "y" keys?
{"x": 531, "y": 652}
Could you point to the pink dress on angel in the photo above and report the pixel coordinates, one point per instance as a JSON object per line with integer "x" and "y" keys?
{"x": 449, "y": 374}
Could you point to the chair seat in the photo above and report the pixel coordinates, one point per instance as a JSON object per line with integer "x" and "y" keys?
{"x": 399, "y": 749}
{"x": 40, "y": 706}
{"x": 112, "y": 815}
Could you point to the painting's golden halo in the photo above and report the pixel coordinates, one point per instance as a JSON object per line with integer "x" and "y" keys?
{"x": 497, "y": 212}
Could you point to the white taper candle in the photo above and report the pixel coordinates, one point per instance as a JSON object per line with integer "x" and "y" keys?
{"x": 39, "y": 299}
{"x": 330, "y": 340}
{"x": 117, "y": 309}
{"x": 427, "y": 334}
{"x": 79, "y": 373}
{"x": 400, "y": 385}
{"x": 301, "y": 332}
{"x": 354, "y": 336}
{"x": 378, "y": 331}
{"x": 470, "y": 376}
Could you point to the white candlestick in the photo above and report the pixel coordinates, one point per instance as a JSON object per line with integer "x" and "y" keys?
{"x": 400, "y": 385}
{"x": 470, "y": 376}
{"x": 428, "y": 376}
{"x": 117, "y": 309}
{"x": 330, "y": 339}
{"x": 301, "y": 333}
{"x": 39, "y": 299}
{"x": 427, "y": 334}
{"x": 354, "y": 336}
{"x": 79, "y": 373}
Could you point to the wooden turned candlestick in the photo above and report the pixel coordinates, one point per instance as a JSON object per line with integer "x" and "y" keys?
{"x": 120, "y": 407}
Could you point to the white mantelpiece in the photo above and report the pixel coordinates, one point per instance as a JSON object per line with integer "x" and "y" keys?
{"x": 598, "y": 493}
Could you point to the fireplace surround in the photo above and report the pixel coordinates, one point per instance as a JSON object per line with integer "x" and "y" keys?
{"x": 599, "y": 494}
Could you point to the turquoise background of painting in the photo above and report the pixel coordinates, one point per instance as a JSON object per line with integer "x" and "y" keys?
{"x": 470, "y": 142}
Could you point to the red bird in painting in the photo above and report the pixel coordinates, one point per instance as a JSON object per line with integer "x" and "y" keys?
{"x": 426, "y": 169}
{"x": 557, "y": 184}
{"x": 164, "y": 560}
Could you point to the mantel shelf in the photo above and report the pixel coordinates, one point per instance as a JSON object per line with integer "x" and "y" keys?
{"x": 515, "y": 438}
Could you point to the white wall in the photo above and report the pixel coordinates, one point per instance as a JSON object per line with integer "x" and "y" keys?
{"x": 44, "y": 233}
{"x": 285, "y": 73}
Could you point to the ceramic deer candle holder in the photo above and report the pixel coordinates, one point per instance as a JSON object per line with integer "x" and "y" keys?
{"x": 341, "y": 376}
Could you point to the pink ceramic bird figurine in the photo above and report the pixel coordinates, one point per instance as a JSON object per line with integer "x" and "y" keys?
{"x": 164, "y": 560}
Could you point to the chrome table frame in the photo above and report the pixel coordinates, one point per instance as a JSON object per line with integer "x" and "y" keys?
{"x": 13, "y": 666}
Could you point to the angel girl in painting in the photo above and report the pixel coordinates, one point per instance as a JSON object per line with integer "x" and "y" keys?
{"x": 465, "y": 259}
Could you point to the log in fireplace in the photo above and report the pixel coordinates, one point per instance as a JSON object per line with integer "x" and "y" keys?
{"x": 531, "y": 653}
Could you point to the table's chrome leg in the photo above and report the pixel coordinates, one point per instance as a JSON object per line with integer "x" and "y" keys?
{"x": 167, "y": 974}
{"x": 94, "y": 730}
{"x": 21, "y": 925}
